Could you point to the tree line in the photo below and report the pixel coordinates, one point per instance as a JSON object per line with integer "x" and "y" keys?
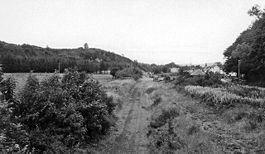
{"x": 13, "y": 64}
{"x": 26, "y": 58}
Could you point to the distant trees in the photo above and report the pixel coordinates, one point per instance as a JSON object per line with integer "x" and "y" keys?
{"x": 133, "y": 72}
{"x": 85, "y": 46}
{"x": 16, "y": 64}
{"x": 113, "y": 71}
{"x": 157, "y": 69}
{"x": 256, "y": 11}
{"x": 24, "y": 58}
{"x": 103, "y": 66}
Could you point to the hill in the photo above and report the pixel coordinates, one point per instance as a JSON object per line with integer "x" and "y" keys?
{"x": 25, "y": 57}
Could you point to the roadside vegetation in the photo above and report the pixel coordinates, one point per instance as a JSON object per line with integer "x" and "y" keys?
{"x": 56, "y": 115}
{"x": 130, "y": 72}
{"x": 227, "y": 97}
{"x": 182, "y": 112}
{"x": 247, "y": 52}
{"x": 209, "y": 79}
{"x": 213, "y": 112}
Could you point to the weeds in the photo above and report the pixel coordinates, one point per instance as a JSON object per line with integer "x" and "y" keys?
{"x": 166, "y": 116}
{"x": 193, "y": 129}
{"x": 157, "y": 101}
{"x": 150, "y": 90}
{"x": 119, "y": 104}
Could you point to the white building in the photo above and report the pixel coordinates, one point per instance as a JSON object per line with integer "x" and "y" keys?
{"x": 174, "y": 70}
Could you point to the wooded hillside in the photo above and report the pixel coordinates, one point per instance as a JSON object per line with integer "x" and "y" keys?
{"x": 24, "y": 58}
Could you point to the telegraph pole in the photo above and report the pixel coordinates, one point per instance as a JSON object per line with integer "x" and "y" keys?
{"x": 238, "y": 69}
{"x": 59, "y": 66}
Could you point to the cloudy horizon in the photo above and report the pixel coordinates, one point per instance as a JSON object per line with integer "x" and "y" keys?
{"x": 149, "y": 31}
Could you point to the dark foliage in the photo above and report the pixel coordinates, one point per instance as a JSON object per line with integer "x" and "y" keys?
{"x": 133, "y": 72}
{"x": 249, "y": 49}
{"x": 24, "y": 58}
{"x": 57, "y": 114}
{"x": 113, "y": 72}
{"x": 209, "y": 79}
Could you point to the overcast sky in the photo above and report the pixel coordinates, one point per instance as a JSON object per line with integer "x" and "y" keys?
{"x": 150, "y": 31}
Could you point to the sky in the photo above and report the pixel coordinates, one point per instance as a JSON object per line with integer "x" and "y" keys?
{"x": 149, "y": 31}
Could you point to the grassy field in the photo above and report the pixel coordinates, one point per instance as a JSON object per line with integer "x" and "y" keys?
{"x": 155, "y": 117}
{"x": 182, "y": 124}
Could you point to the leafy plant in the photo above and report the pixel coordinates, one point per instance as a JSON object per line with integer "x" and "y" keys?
{"x": 209, "y": 79}
{"x": 58, "y": 114}
{"x": 133, "y": 72}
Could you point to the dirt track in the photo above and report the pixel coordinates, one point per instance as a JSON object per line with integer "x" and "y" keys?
{"x": 133, "y": 121}
{"x": 197, "y": 129}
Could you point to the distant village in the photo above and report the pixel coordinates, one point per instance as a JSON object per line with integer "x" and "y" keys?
{"x": 198, "y": 70}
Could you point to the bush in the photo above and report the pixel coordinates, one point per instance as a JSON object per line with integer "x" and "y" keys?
{"x": 165, "y": 117}
{"x": 113, "y": 72}
{"x": 150, "y": 90}
{"x": 11, "y": 133}
{"x": 133, "y": 72}
{"x": 60, "y": 114}
{"x": 209, "y": 79}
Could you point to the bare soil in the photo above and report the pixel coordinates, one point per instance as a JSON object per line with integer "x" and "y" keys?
{"x": 133, "y": 119}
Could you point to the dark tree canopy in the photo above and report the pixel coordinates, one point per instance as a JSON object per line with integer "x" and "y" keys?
{"x": 24, "y": 58}
{"x": 85, "y": 46}
{"x": 249, "y": 48}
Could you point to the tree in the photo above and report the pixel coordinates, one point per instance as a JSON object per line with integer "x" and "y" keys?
{"x": 249, "y": 48}
{"x": 256, "y": 11}
{"x": 85, "y": 46}
{"x": 242, "y": 51}
{"x": 113, "y": 71}
{"x": 102, "y": 66}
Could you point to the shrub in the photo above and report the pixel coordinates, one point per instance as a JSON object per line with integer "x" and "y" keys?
{"x": 114, "y": 71}
{"x": 157, "y": 101}
{"x": 150, "y": 90}
{"x": 209, "y": 79}
{"x": 165, "y": 117}
{"x": 60, "y": 114}
{"x": 11, "y": 133}
{"x": 133, "y": 72}
{"x": 193, "y": 129}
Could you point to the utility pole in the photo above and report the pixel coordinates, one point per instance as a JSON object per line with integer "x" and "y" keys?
{"x": 238, "y": 69}
{"x": 59, "y": 67}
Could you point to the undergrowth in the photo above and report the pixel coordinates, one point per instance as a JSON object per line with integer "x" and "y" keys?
{"x": 56, "y": 115}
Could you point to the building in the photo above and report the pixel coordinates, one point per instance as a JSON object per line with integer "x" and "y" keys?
{"x": 174, "y": 70}
{"x": 213, "y": 68}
